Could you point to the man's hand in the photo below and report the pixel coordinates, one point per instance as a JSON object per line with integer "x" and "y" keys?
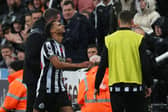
{"x": 13, "y": 38}
{"x": 85, "y": 64}
{"x": 148, "y": 92}
{"x": 96, "y": 92}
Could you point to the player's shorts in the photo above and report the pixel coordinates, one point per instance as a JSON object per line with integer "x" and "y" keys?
{"x": 52, "y": 102}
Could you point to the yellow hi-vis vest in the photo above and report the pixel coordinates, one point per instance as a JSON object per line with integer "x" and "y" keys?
{"x": 123, "y": 57}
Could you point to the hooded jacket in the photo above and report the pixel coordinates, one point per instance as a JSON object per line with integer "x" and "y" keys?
{"x": 16, "y": 96}
{"x": 145, "y": 18}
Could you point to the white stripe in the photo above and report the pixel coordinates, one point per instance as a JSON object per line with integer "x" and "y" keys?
{"x": 58, "y": 48}
{"x": 61, "y": 81}
{"x": 95, "y": 17}
{"x": 56, "y": 81}
{"x": 41, "y": 74}
{"x": 50, "y": 4}
{"x": 48, "y": 80}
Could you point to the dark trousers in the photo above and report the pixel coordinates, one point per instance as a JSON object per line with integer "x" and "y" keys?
{"x": 127, "y": 101}
{"x": 31, "y": 95}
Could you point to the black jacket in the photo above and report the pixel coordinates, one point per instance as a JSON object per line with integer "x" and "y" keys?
{"x": 33, "y": 46}
{"x": 104, "y": 17}
{"x": 79, "y": 34}
{"x": 158, "y": 46}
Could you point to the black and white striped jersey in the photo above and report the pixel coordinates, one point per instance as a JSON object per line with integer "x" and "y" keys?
{"x": 51, "y": 78}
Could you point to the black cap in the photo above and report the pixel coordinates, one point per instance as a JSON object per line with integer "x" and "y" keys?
{"x": 17, "y": 65}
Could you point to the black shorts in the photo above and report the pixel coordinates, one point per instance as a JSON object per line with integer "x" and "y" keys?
{"x": 52, "y": 102}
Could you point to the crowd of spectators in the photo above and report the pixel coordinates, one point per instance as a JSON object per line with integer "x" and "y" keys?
{"x": 86, "y": 22}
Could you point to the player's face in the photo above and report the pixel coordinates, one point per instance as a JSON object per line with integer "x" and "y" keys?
{"x": 57, "y": 27}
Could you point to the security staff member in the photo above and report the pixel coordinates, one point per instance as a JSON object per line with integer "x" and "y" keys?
{"x": 124, "y": 54}
{"x": 86, "y": 93}
{"x": 15, "y": 100}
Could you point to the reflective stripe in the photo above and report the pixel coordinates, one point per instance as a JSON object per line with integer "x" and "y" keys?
{"x": 22, "y": 82}
{"x": 97, "y": 100}
{"x": 5, "y": 109}
{"x": 92, "y": 100}
{"x": 13, "y": 110}
{"x": 19, "y": 80}
{"x": 16, "y": 97}
{"x": 86, "y": 85}
{"x": 25, "y": 86}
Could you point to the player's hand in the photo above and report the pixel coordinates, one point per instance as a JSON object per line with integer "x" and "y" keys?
{"x": 85, "y": 64}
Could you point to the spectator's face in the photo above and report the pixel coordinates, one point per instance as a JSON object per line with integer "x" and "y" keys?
{"x": 158, "y": 31}
{"x": 91, "y": 52}
{"x": 20, "y": 55}
{"x": 10, "y": 3}
{"x": 62, "y": 2}
{"x": 6, "y": 52}
{"x": 37, "y": 3}
{"x": 17, "y": 27}
{"x": 30, "y": 6}
{"x": 142, "y": 4}
{"x": 28, "y": 21}
{"x": 68, "y": 11}
{"x": 36, "y": 16}
{"x": 18, "y": 2}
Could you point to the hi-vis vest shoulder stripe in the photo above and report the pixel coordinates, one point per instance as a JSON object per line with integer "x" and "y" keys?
{"x": 13, "y": 110}
{"x": 16, "y": 97}
{"x": 22, "y": 82}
